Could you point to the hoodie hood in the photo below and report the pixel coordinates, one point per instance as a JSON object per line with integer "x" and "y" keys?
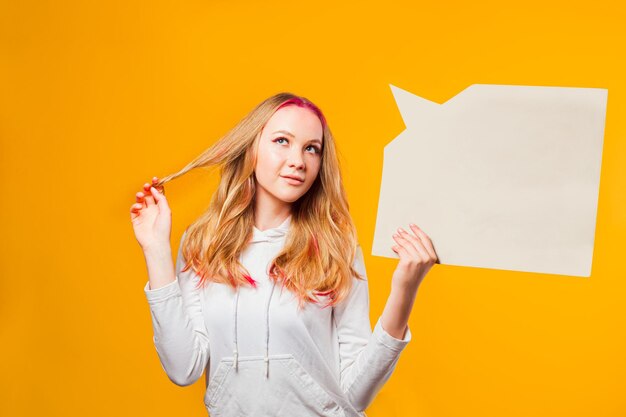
{"x": 275, "y": 234}
{"x": 271, "y": 235}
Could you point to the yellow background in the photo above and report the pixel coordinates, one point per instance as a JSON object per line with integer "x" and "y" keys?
{"x": 96, "y": 97}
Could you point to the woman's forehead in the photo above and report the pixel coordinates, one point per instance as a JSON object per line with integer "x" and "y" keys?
{"x": 295, "y": 121}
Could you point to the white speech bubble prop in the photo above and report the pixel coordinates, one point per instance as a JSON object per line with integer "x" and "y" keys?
{"x": 499, "y": 176}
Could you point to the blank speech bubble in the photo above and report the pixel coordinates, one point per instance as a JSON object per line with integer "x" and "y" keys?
{"x": 499, "y": 176}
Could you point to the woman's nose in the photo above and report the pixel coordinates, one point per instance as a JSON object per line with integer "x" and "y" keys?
{"x": 296, "y": 160}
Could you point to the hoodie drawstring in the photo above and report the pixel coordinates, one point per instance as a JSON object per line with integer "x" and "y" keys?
{"x": 267, "y": 331}
{"x": 235, "y": 352}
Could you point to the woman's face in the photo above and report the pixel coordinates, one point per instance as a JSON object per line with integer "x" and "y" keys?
{"x": 290, "y": 145}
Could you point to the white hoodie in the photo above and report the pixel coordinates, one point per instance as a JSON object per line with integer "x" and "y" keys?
{"x": 320, "y": 362}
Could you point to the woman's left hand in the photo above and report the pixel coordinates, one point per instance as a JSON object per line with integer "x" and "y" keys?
{"x": 417, "y": 256}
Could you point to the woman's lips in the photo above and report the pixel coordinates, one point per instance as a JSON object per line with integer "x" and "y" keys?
{"x": 293, "y": 181}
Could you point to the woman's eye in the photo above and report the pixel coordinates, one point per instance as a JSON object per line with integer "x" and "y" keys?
{"x": 317, "y": 150}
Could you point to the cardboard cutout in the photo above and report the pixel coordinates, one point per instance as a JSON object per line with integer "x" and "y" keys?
{"x": 499, "y": 176}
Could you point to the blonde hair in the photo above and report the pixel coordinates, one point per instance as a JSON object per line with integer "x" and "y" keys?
{"x": 320, "y": 248}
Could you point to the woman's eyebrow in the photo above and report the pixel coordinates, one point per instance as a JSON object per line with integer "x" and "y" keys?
{"x": 291, "y": 134}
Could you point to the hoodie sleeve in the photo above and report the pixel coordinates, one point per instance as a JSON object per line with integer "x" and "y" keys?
{"x": 367, "y": 358}
{"x": 180, "y": 334}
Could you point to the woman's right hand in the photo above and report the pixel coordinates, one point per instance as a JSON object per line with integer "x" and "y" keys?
{"x": 151, "y": 217}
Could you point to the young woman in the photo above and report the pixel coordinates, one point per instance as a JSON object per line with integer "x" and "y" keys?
{"x": 269, "y": 293}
